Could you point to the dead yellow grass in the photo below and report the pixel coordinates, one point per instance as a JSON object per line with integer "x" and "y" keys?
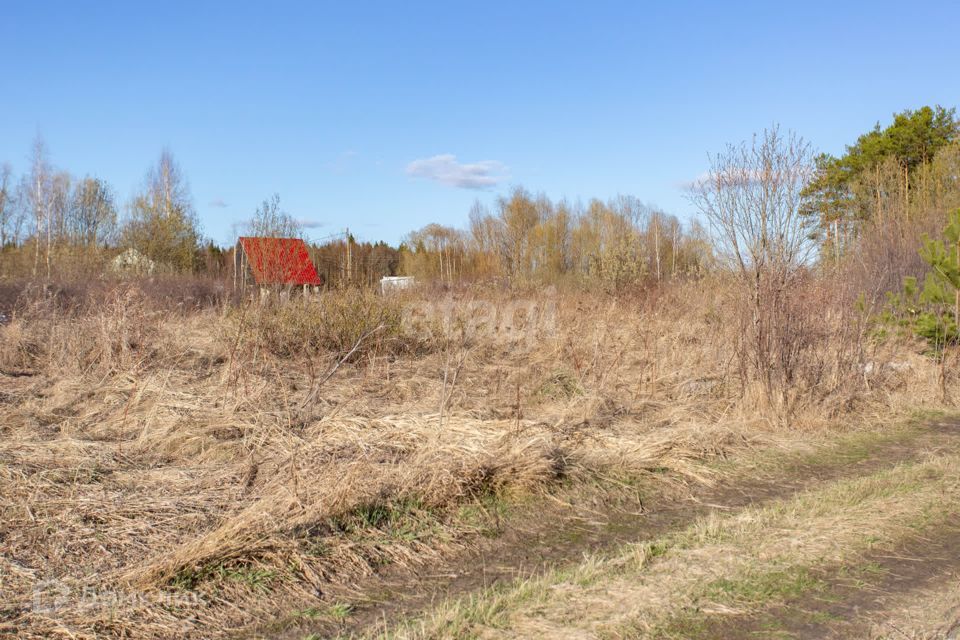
{"x": 150, "y": 456}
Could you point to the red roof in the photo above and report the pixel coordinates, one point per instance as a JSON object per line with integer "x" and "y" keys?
{"x": 280, "y": 261}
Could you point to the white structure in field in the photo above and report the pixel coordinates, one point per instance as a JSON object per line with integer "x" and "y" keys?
{"x": 132, "y": 261}
{"x": 395, "y": 283}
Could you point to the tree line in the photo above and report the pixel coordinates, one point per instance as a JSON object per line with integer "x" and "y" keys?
{"x": 53, "y": 223}
{"x": 528, "y": 239}
{"x": 56, "y": 225}
{"x": 870, "y": 204}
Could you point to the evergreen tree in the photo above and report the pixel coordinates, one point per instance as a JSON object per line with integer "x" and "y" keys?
{"x": 884, "y": 166}
{"x": 933, "y": 312}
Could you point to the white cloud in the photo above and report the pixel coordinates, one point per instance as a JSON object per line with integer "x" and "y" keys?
{"x": 218, "y": 203}
{"x": 307, "y": 223}
{"x": 446, "y": 170}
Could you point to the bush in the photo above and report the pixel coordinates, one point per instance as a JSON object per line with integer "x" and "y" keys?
{"x": 335, "y": 321}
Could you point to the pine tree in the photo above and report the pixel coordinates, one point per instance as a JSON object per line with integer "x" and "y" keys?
{"x": 941, "y": 289}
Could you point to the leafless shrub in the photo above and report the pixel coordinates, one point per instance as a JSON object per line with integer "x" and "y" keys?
{"x": 752, "y": 198}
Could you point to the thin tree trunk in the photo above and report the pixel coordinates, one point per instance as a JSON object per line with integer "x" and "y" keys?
{"x": 39, "y": 217}
{"x": 656, "y": 244}
{"x": 48, "y": 246}
{"x": 836, "y": 239}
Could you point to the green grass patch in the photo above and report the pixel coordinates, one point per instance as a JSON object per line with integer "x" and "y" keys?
{"x": 560, "y": 386}
{"x": 403, "y": 519}
{"x": 253, "y": 577}
{"x": 485, "y": 514}
{"x": 339, "y": 611}
{"x": 763, "y": 588}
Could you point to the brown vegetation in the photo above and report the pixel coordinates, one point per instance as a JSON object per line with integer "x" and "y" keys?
{"x": 250, "y": 456}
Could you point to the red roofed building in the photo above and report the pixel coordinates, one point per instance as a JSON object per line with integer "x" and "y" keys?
{"x": 276, "y": 261}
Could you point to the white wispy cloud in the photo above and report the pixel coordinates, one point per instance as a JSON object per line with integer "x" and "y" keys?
{"x": 445, "y": 169}
{"x": 308, "y": 223}
{"x": 218, "y": 203}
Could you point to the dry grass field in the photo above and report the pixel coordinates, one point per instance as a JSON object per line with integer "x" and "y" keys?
{"x": 190, "y": 466}
{"x": 435, "y": 321}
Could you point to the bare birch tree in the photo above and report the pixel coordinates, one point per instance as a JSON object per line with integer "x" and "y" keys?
{"x": 93, "y": 215}
{"x": 752, "y": 199}
{"x": 7, "y": 204}
{"x": 59, "y": 212}
{"x": 37, "y": 188}
{"x": 269, "y": 220}
{"x": 167, "y": 186}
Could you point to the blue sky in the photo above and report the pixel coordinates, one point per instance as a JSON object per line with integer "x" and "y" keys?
{"x": 382, "y": 117}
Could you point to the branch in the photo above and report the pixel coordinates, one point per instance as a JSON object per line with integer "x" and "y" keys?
{"x": 316, "y": 388}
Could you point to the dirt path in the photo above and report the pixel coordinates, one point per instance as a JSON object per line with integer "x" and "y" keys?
{"x": 748, "y": 568}
{"x": 532, "y": 546}
{"x": 870, "y": 598}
